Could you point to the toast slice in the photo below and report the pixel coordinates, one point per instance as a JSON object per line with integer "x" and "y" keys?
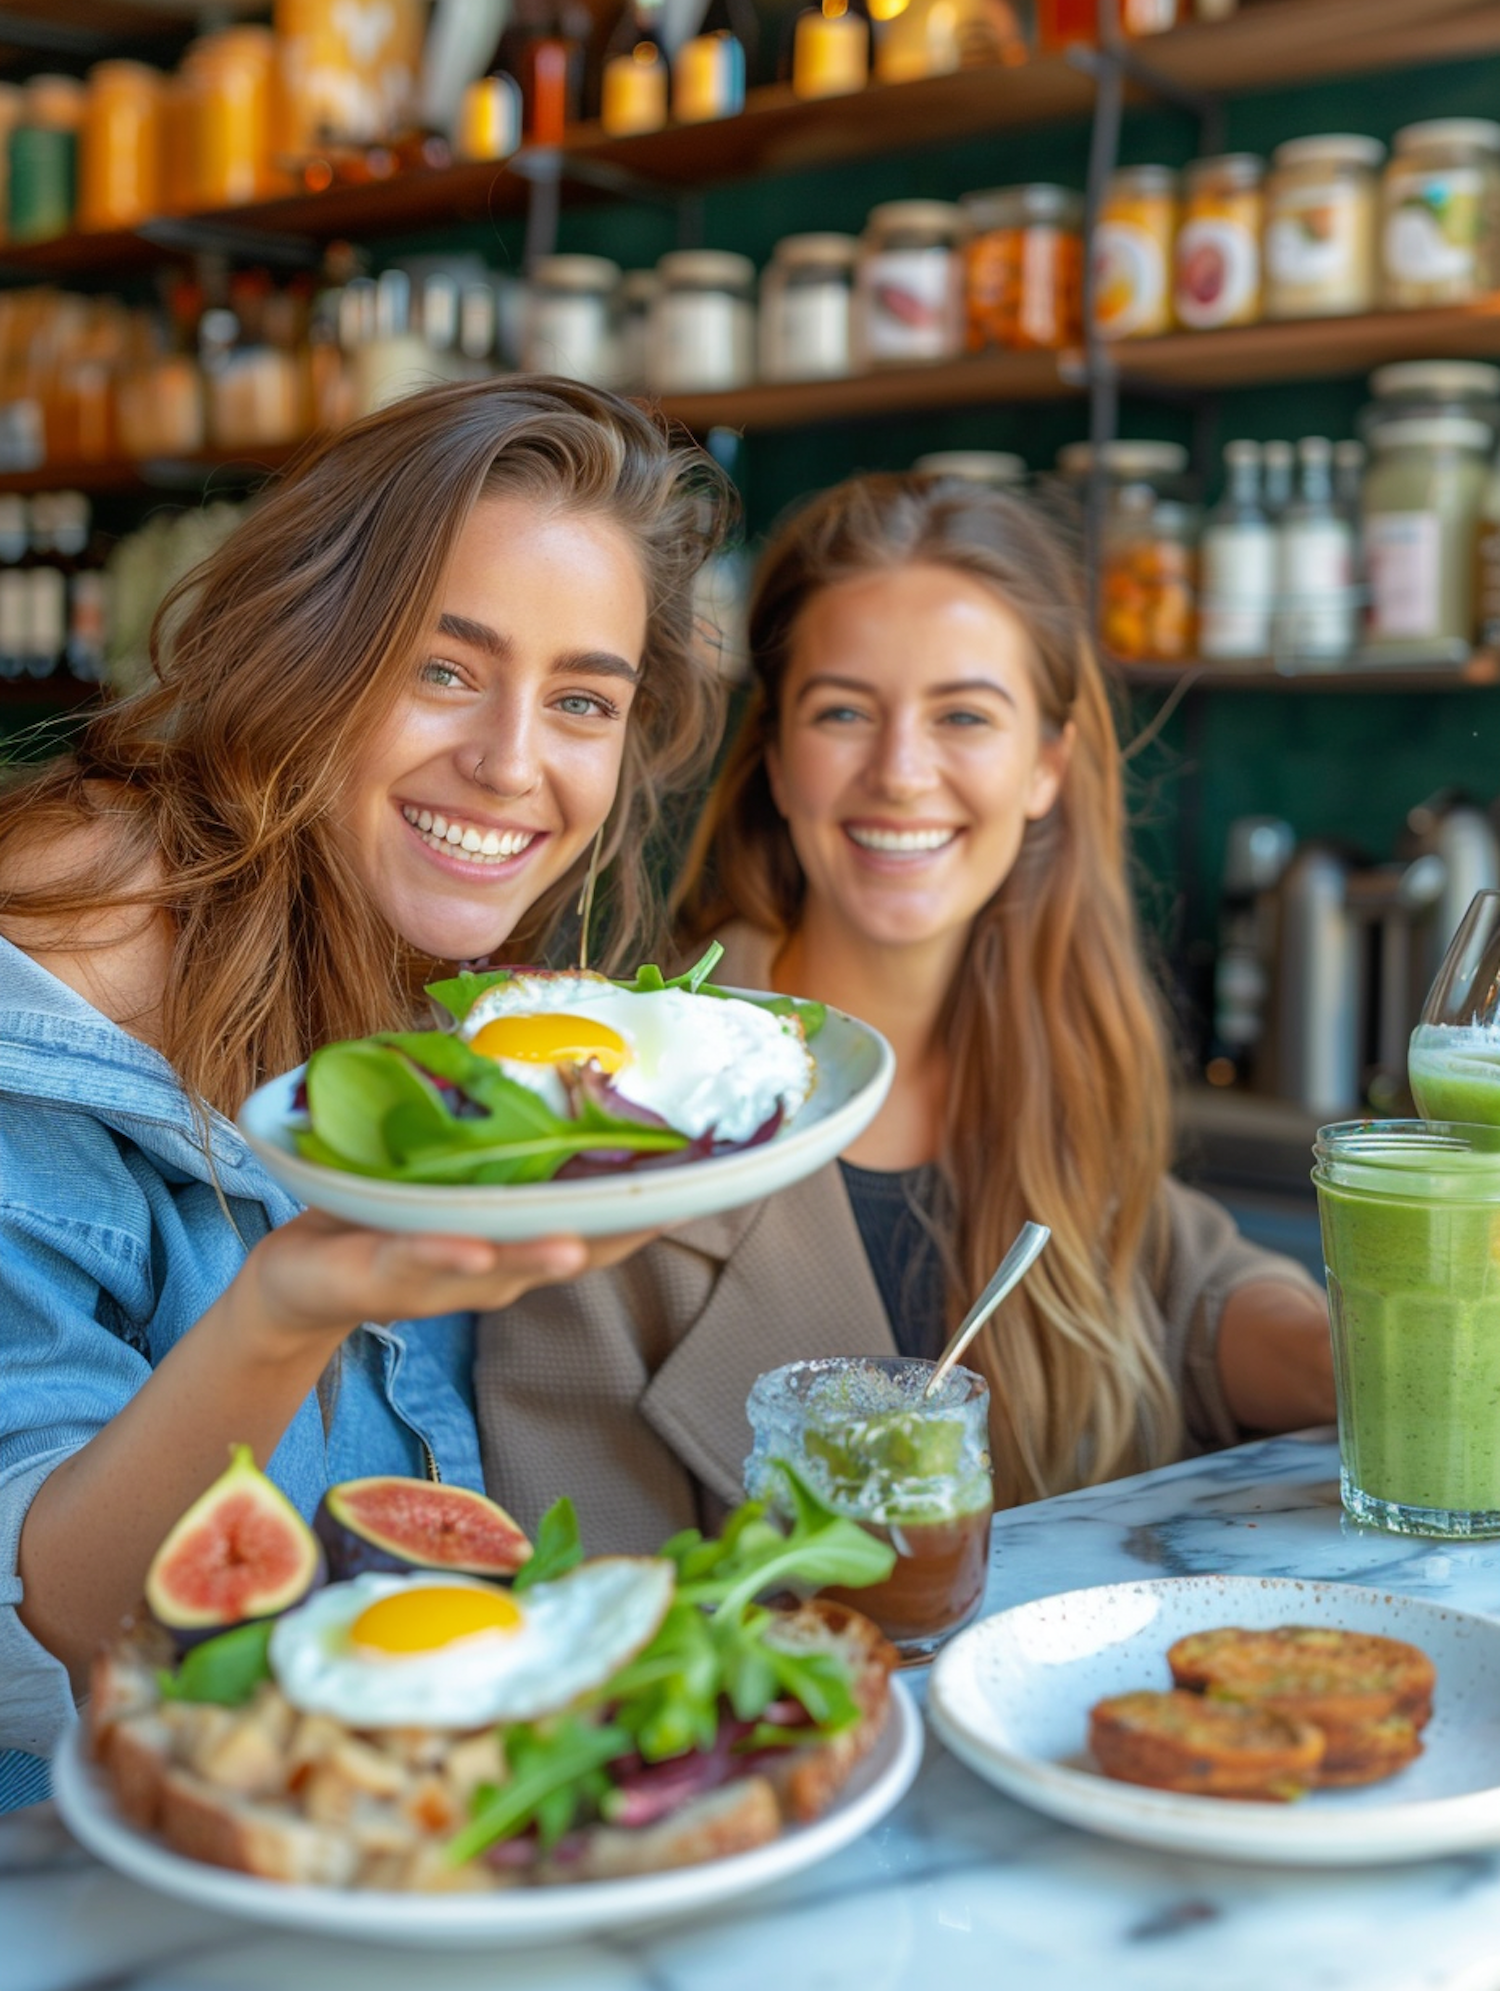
{"x": 1179, "y": 1741}
{"x": 1337, "y": 1679}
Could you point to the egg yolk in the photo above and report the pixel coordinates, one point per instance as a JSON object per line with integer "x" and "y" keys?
{"x": 555, "y": 1038}
{"x": 429, "y": 1616}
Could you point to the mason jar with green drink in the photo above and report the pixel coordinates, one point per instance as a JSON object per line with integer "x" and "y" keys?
{"x": 912, "y": 1469}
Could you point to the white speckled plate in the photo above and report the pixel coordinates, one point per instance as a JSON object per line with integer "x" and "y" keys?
{"x": 1011, "y": 1698}
{"x": 516, "y": 1919}
{"x": 854, "y": 1069}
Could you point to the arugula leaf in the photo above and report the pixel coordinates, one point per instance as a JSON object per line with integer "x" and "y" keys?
{"x": 821, "y": 1548}
{"x": 552, "y": 1765}
{"x": 225, "y": 1670}
{"x": 459, "y": 993}
{"x": 648, "y": 980}
{"x": 558, "y": 1547}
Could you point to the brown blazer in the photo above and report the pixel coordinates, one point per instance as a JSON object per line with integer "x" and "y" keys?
{"x": 626, "y": 1388}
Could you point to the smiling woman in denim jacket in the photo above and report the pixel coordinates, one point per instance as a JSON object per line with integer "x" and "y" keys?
{"x": 391, "y": 716}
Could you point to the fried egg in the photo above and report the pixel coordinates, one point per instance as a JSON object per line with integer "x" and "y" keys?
{"x": 389, "y": 1651}
{"x": 704, "y": 1063}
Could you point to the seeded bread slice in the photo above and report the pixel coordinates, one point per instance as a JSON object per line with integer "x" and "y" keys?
{"x": 1178, "y": 1741}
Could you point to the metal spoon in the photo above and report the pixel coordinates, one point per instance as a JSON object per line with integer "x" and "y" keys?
{"x": 1011, "y": 1270}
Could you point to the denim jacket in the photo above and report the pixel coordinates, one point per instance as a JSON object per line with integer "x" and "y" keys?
{"x": 113, "y": 1242}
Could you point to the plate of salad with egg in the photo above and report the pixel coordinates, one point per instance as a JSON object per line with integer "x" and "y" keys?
{"x": 566, "y": 1100}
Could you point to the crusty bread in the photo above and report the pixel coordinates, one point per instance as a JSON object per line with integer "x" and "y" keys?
{"x": 1368, "y": 1752}
{"x": 1179, "y": 1741}
{"x": 300, "y": 1798}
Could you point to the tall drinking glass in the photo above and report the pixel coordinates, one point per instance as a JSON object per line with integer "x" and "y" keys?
{"x": 1454, "y": 1059}
{"x": 1410, "y": 1212}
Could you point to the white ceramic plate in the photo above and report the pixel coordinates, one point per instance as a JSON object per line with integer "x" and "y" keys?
{"x": 854, "y": 1069}
{"x": 511, "y": 1920}
{"x": 1011, "y": 1698}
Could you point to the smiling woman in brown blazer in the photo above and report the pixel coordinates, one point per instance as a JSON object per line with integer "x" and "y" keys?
{"x": 921, "y": 822}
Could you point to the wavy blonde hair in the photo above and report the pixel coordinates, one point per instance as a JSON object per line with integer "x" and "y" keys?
{"x": 1059, "y": 1106}
{"x": 276, "y": 661}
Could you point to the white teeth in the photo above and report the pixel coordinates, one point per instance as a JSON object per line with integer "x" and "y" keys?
{"x": 901, "y": 840}
{"x": 478, "y": 846}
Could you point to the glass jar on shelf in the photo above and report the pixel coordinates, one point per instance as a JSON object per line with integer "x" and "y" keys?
{"x": 1322, "y": 209}
{"x": 1421, "y": 507}
{"x": 806, "y": 308}
{"x": 570, "y": 319}
{"x": 1440, "y": 238}
{"x": 1217, "y": 277}
{"x": 1132, "y": 253}
{"x": 231, "y": 75}
{"x": 1147, "y": 547}
{"x": 935, "y": 37}
{"x": 703, "y": 324}
{"x": 42, "y": 162}
{"x": 1023, "y": 267}
{"x": 908, "y": 290}
{"x": 120, "y": 146}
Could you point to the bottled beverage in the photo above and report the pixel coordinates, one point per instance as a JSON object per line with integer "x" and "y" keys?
{"x": 826, "y": 52}
{"x": 1238, "y": 557}
{"x": 633, "y": 85}
{"x": 1315, "y": 564}
{"x": 13, "y": 542}
{"x": 46, "y": 616}
{"x": 542, "y": 46}
{"x": 709, "y": 70}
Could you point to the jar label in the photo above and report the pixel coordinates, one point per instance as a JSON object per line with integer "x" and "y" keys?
{"x": 702, "y": 341}
{"x": 708, "y": 79}
{"x": 1218, "y": 273}
{"x": 1314, "y": 237}
{"x": 1130, "y": 281}
{"x": 910, "y": 304}
{"x": 1403, "y": 552}
{"x": 808, "y": 334}
{"x": 1434, "y": 228}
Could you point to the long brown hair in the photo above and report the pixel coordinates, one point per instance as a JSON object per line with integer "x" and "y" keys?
{"x": 1058, "y": 1108}
{"x": 276, "y": 660}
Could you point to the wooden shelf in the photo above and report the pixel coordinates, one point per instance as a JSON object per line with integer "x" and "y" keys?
{"x": 1263, "y": 45}
{"x": 893, "y": 391}
{"x": 1309, "y": 348}
{"x": 1480, "y": 672}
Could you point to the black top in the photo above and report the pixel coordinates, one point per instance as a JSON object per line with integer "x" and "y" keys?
{"x": 894, "y": 1209}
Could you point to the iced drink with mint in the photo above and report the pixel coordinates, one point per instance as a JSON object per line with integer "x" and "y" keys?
{"x": 913, "y": 1470}
{"x": 1410, "y": 1213}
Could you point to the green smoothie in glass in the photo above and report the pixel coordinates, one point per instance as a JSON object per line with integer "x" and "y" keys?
{"x": 1455, "y": 1073}
{"x": 1410, "y": 1214}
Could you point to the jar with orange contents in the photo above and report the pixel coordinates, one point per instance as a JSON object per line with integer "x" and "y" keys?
{"x": 1218, "y": 245}
{"x": 1023, "y": 266}
{"x": 231, "y": 75}
{"x": 1148, "y": 592}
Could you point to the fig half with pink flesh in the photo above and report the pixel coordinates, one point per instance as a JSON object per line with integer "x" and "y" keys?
{"x": 388, "y": 1523}
{"x": 241, "y": 1551}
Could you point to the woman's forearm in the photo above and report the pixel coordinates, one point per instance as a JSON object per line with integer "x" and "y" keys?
{"x": 1275, "y": 1356}
{"x": 98, "y": 1519}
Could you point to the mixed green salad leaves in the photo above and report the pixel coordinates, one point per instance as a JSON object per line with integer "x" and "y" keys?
{"x": 421, "y": 1106}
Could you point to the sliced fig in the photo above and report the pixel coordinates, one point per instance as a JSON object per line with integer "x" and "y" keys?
{"x": 241, "y": 1551}
{"x": 388, "y": 1523}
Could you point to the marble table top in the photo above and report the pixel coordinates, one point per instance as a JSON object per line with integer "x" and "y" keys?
{"x": 959, "y": 1887}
